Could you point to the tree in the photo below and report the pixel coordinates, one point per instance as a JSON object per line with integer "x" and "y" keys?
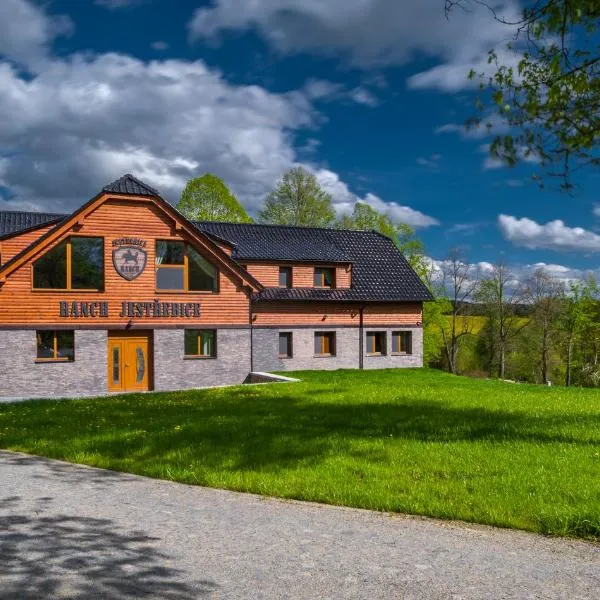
{"x": 207, "y": 198}
{"x": 460, "y": 285}
{"x": 501, "y": 296}
{"x": 367, "y": 218}
{"x": 545, "y": 293}
{"x": 551, "y": 100}
{"x": 298, "y": 199}
{"x": 577, "y": 313}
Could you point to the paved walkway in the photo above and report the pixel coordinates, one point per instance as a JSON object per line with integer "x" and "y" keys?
{"x": 74, "y": 532}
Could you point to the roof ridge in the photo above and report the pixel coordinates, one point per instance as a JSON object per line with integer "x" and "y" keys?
{"x": 302, "y": 227}
{"x": 119, "y": 184}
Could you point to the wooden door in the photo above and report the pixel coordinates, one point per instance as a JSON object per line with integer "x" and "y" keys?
{"x": 129, "y": 362}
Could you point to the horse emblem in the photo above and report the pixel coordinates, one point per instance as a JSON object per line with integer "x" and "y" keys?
{"x": 129, "y": 261}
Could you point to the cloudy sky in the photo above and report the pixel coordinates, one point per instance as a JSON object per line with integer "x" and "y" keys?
{"x": 370, "y": 95}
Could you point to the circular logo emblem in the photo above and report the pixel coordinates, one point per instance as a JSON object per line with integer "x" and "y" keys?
{"x": 129, "y": 261}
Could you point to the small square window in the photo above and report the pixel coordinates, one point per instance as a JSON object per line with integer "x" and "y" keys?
{"x": 285, "y": 345}
{"x": 376, "y": 343}
{"x": 324, "y": 277}
{"x": 402, "y": 342}
{"x": 285, "y": 277}
{"x": 200, "y": 343}
{"x": 55, "y": 346}
{"x": 325, "y": 343}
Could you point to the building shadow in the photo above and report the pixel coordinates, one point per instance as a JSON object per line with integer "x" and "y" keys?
{"x": 65, "y": 556}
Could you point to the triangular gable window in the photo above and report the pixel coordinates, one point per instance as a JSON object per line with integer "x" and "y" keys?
{"x": 180, "y": 268}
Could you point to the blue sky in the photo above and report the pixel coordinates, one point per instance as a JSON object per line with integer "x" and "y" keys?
{"x": 370, "y": 95}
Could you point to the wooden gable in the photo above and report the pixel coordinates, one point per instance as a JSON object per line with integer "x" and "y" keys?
{"x": 113, "y": 217}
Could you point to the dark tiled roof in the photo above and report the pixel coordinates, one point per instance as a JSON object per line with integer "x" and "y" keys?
{"x": 128, "y": 184}
{"x": 14, "y": 221}
{"x": 379, "y": 271}
{"x": 272, "y": 242}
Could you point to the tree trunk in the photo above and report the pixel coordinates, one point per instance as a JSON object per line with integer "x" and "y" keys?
{"x": 545, "y": 356}
{"x": 501, "y": 365}
{"x": 569, "y": 351}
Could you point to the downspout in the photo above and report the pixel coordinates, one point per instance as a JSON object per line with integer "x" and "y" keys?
{"x": 360, "y": 337}
{"x": 251, "y": 331}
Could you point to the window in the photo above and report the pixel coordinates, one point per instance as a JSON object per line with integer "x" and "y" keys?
{"x": 325, "y": 343}
{"x": 402, "y": 342}
{"x": 181, "y": 268}
{"x": 55, "y": 346}
{"x": 285, "y": 345}
{"x": 75, "y": 264}
{"x": 200, "y": 343}
{"x": 376, "y": 343}
{"x": 324, "y": 277}
{"x": 285, "y": 277}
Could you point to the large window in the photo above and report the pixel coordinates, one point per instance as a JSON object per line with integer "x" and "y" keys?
{"x": 75, "y": 264}
{"x": 180, "y": 268}
{"x": 324, "y": 277}
{"x": 325, "y": 343}
{"x": 55, "y": 346}
{"x": 376, "y": 343}
{"x": 285, "y": 345}
{"x": 285, "y": 277}
{"x": 402, "y": 342}
{"x": 200, "y": 343}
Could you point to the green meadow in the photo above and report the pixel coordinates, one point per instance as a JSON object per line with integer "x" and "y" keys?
{"x": 411, "y": 441}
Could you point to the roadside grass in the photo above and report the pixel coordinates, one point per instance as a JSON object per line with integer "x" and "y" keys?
{"x": 413, "y": 441}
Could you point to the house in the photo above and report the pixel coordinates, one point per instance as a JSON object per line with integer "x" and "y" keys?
{"x": 126, "y": 294}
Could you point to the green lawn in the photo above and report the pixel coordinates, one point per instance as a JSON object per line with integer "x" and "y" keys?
{"x": 414, "y": 441}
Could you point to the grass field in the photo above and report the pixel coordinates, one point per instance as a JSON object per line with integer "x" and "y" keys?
{"x": 414, "y": 441}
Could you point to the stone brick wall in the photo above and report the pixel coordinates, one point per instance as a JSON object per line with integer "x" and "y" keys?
{"x": 266, "y": 349}
{"x": 174, "y": 372}
{"x": 22, "y": 377}
{"x": 389, "y": 361}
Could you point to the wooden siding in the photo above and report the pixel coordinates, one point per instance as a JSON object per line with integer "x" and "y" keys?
{"x": 302, "y": 274}
{"x": 11, "y": 246}
{"x": 112, "y": 220}
{"x": 323, "y": 314}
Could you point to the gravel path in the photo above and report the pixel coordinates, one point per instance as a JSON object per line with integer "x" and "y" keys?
{"x": 74, "y": 532}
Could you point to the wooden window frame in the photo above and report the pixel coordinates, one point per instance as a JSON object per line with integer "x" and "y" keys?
{"x": 70, "y": 287}
{"x": 55, "y": 358}
{"x": 186, "y": 272}
{"x": 372, "y": 335}
{"x": 289, "y": 270}
{"x": 332, "y": 344}
{"x": 399, "y": 334}
{"x": 319, "y": 278}
{"x": 199, "y": 345}
{"x": 290, "y": 336}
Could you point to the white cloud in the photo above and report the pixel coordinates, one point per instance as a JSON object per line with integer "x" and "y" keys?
{"x": 83, "y": 122}
{"x": 361, "y": 95}
{"x": 596, "y": 210}
{"x": 318, "y": 89}
{"x": 554, "y": 235}
{"x": 26, "y": 32}
{"x": 368, "y": 33}
{"x": 324, "y": 90}
{"x": 492, "y": 124}
{"x": 344, "y": 201}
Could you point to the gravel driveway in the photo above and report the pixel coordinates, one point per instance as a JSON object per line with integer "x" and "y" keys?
{"x": 75, "y": 532}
